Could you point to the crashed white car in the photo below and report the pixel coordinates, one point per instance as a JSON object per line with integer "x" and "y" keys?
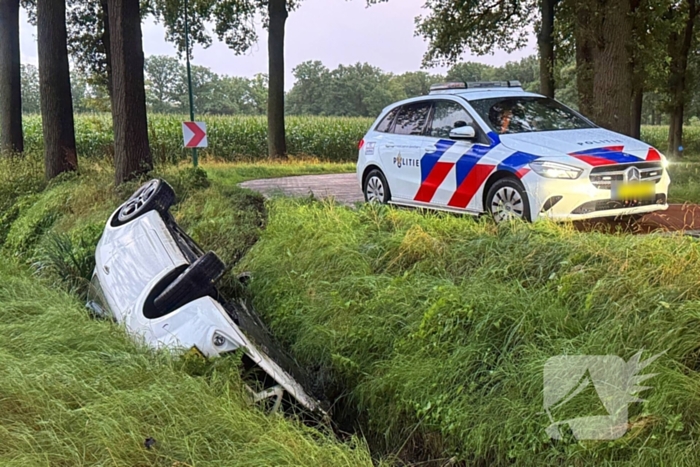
{"x": 152, "y": 278}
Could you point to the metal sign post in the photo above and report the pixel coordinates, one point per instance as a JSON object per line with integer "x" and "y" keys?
{"x": 189, "y": 74}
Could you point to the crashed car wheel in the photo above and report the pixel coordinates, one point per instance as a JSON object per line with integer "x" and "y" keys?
{"x": 156, "y": 194}
{"x": 195, "y": 282}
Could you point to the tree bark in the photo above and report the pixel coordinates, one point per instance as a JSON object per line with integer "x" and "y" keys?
{"x": 636, "y": 112}
{"x": 104, "y": 4}
{"x": 11, "y": 136}
{"x": 277, "y": 145}
{"x": 132, "y": 154}
{"x": 678, "y": 48}
{"x": 545, "y": 44}
{"x": 612, "y": 74}
{"x": 54, "y": 86}
{"x": 584, "y": 57}
{"x": 639, "y": 28}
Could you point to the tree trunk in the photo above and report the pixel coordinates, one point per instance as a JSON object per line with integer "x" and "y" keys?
{"x": 638, "y": 74}
{"x": 11, "y": 137}
{"x": 545, "y": 44}
{"x": 679, "y": 48}
{"x": 104, "y": 4}
{"x": 277, "y": 145}
{"x": 636, "y": 112}
{"x": 584, "y": 57}
{"x": 132, "y": 154}
{"x": 54, "y": 86}
{"x": 612, "y": 75}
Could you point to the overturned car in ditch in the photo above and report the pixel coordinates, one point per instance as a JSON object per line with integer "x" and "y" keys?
{"x": 152, "y": 278}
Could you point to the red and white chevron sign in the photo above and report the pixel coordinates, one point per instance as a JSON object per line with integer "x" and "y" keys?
{"x": 195, "y": 134}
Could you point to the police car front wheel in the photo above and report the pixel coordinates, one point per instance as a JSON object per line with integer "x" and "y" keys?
{"x": 507, "y": 200}
{"x": 376, "y": 188}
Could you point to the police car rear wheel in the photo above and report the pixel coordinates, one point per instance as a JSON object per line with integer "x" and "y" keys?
{"x": 507, "y": 200}
{"x": 376, "y": 188}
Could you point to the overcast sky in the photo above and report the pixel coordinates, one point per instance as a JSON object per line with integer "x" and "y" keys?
{"x": 333, "y": 31}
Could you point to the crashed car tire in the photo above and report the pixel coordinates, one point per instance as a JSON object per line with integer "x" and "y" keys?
{"x": 155, "y": 194}
{"x": 195, "y": 282}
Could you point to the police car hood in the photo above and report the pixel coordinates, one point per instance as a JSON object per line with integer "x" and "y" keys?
{"x": 593, "y": 142}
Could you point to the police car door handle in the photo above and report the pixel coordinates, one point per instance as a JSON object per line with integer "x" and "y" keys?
{"x": 430, "y": 149}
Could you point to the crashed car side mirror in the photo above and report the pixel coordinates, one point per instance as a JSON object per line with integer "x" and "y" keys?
{"x": 463, "y": 132}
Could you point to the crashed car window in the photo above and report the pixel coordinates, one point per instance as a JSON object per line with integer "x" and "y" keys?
{"x": 508, "y": 115}
{"x": 97, "y": 297}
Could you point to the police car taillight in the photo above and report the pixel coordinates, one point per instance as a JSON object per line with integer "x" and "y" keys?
{"x": 361, "y": 144}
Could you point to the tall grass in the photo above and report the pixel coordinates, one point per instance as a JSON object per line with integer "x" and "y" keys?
{"x": 435, "y": 328}
{"x": 241, "y": 138}
{"x": 657, "y": 136}
{"x": 235, "y": 138}
{"x": 74, "y": 391}
{"x": 77, "y": 392}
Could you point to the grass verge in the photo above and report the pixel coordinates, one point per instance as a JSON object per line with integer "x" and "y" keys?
{"x": 436, "y": 328}
{"x": 74, "y": 391}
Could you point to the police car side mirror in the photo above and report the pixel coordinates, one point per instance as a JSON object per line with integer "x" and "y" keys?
{"x": 463, "y": 132}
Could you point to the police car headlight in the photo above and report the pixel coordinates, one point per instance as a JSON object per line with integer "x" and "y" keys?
{"x": 556, "y": 170}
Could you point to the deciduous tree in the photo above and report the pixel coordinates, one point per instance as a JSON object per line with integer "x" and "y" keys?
{"x": 680, "y": 41}
{"x": 55, "y": 89}
{"x": 234, "y": 22}
{"x": 11, "y": 137}
{"x": 132, "y": 154}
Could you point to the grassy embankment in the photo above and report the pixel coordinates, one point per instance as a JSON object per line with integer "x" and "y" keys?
{"x": 436, "y": 328}
{"x": 74, "y": 391}
{"x": 433, "y": 327}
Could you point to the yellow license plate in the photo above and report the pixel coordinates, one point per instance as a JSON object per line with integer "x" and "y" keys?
{"x": 634, "y": 191}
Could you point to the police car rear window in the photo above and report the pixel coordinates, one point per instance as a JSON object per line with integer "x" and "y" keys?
{"x": 385, "y": 125}
{"x": 412, "y": 118}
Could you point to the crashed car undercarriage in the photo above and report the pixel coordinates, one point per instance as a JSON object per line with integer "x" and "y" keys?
{"x": 152, "y": 278}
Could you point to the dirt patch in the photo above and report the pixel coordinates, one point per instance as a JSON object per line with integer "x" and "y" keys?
{"x": 683, "y": 218}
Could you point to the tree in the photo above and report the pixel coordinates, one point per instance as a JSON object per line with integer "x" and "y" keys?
{"x": 89, "y": 40}
{"x": 679, "y": 45}
{"x": 31, "y": 99}
{"x": 545, "y": 46}
{"x": 164, "y": 84}
{"x": 11, "y": 137}
{"x": 471, "y": 71}
{"x": 305, "y": 98}
{"x": 55, "y": 89}
{"x": 417, "y": 83}
{"x": 276, "y": 141}
{"x": 132, "y": 154}
{"x": 455, "y": 25}
{"x": 234, "y": 23}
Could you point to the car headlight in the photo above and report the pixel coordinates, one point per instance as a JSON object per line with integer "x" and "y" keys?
{"x": 556, "y": 170}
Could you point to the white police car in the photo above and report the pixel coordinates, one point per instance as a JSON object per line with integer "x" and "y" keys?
{"x": 492, "y": 147}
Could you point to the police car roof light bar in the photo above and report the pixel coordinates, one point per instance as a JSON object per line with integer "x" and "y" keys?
{"x": 475, "y": 85}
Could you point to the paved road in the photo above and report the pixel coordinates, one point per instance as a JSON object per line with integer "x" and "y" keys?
{"x": 343, "y": 187}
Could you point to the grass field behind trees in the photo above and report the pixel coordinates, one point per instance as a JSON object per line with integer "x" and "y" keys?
{"x": 244, "y": 138}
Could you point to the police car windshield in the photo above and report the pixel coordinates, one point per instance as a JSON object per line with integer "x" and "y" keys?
{"x": 508, "y": 115}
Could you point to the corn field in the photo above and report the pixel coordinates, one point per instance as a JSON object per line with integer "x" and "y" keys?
{"x": 244, "y": 138}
